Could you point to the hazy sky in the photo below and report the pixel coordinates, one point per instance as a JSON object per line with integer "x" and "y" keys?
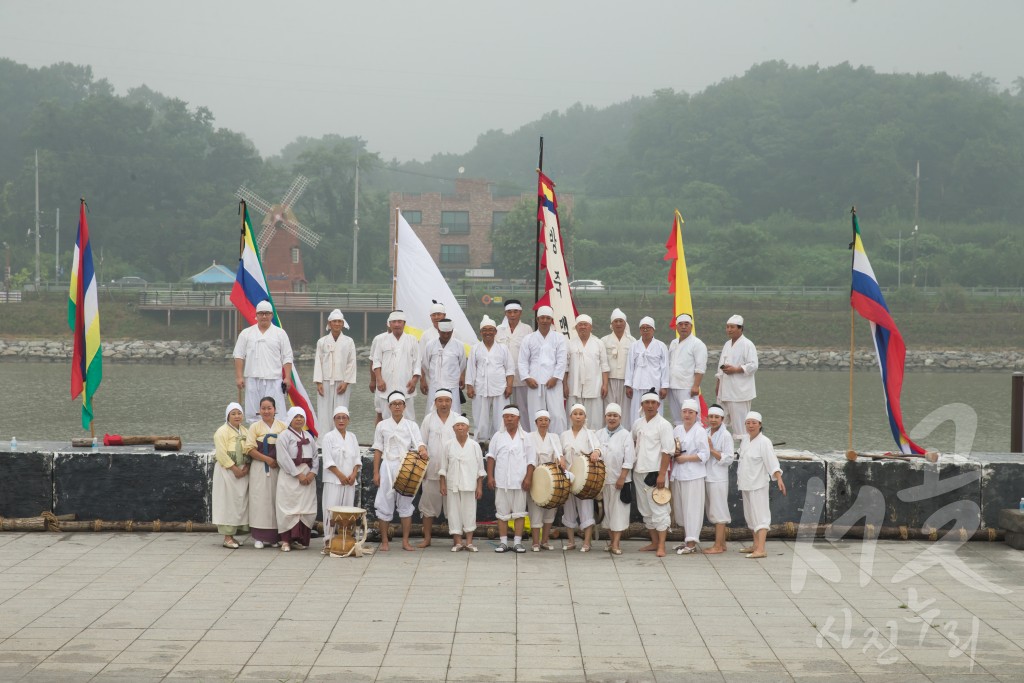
{"x": 416, "y": 78}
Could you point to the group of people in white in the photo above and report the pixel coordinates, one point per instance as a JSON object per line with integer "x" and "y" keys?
{"x": 520, "y": 381}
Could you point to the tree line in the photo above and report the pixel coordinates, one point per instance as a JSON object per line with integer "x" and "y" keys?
{"x": 764, "y": 168}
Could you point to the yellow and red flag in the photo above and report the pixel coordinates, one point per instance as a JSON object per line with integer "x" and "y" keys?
{"x": 679, "y": 285}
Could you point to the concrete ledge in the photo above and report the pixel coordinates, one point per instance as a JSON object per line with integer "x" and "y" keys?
{"x": 136, "y": 483}
{"x": 1012, "y": 520}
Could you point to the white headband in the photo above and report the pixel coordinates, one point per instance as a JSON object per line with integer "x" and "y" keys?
{"x": 541, "y": 413}
{"x": 264, "y": 307}
{"x": 648, "y": 320}
{"x": 294, "y": 412}
{"x": 396, "y": 396}
{"x": 396, "y": 315}
{"x": 753, "y": 415}
{"x": 650, "y": 396}
{"x": 341, "y": 410}
{"x": 545, "y": 310}
{"x": 487, "y": 322}
{"x": 511, "y": 410}
{"x": 513, "y": 306}
{"x": 613, "y": 409}
{"x": 233, "y": 406}
{"x": 683, "y": 318}
{"x": 690, "y": 404}
{"x": 584, "y": 318}
{"x": 715, "y": 410}
{"x": 461, "y": 420}
{"x": 617, "y": 314}
{"x": 436, "y": 307}
{"x": 577, "y": 406}
{"x": 442, "y": 393}
{"x": 445, "y": 325}
{"x": 735, "y": 320}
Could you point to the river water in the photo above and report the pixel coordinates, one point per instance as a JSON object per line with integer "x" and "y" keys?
{"x": 807, "y": 409}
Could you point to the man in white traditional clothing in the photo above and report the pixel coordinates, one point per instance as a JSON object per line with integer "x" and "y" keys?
{"x": 543, "y": 358}
{"x": 490, "y": 373}
{"x": 393, "y": 438}
{"x": 688, "y": 473}
{"x": 716, "y": 483}
{"x": 444, "y": 365}
{"x": 618, "y": 455}
{"x": 263, "y": 361}
{"x": 437, "y": 314}
{"x": 617, "y": 344}
{"x": 510, "y": 464}
{"x": 654, "y": 445}
{"x": 687, "y": 363}
{"x": 438, "y": 428}
{"x": 586, "y": 378}
{"x": 342, "y": 462}
{"x": 646, "y": 366}
{"x": 396, "y": 365}
{"x": 735, "y": 386}
{"x": 334, "y": 369}
{"x": 511, "y": 334}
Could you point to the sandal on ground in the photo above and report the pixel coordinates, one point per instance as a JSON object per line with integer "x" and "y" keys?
{"x": 471, "y": 548}
{"x": 571, "y": 546}
{"x": 757, "y": 556}
{"x": 585, "y": 549}
{"x": 231, "y": 544}
{"x": 457, "y": 548}
{"x": 536, "y": 548}
{"x": 686, "y": 550}
{"x": 746, "y": 550}
{"x": 519, "y": 548}
{"x": 502, "y": 548}
{"x": 615, "y": 551}
{"x": 286, "y": 548}
{"x": 546, "y": 546}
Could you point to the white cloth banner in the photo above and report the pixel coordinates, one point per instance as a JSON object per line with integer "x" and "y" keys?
{"x": 419, "y": 282}
{"x": 557, "y": 294}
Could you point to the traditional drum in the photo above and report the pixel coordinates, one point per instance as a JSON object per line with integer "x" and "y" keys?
{"x": 587, "y": 477}
{"x": 662, "y": 496}
{"x": 410, "y": 474}
{"x": 550, "y": 486}
{"x": 347, "y": 536}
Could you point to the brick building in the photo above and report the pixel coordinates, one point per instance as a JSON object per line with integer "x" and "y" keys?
{"x": 456, "y": 228}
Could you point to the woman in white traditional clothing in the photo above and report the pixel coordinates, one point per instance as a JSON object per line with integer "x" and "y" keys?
{"x": 579, "y": 442}
{"x": 261, "y": 446}
{"x": 722, "y": 450}
{"x": 616, "y": 444}
{"x": 462, "y": 484}
{"x": 231, "y": 477}
{"x": 687, "y": 476}
{"x": 342, "y": 462}
{"x": 296, "y": 484}
{"x": 758, "y": 466}
{"x": 548, "y": 449}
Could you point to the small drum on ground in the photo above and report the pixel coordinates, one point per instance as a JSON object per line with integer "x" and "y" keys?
{"x": 347, "y": 536}
{"x": 410, "y": 474}
{"x": 550, "y": 486}
{"x": 587, "y": 477}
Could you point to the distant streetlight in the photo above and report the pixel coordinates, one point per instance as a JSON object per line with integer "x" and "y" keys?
{"x": 913, "y": 260}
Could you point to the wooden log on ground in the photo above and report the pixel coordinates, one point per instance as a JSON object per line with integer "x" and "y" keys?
{"x": 124, "y": 440}
{"x": 169, "y": 444}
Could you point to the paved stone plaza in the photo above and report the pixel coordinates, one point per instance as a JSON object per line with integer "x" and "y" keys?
{"x": 100, "y": 606}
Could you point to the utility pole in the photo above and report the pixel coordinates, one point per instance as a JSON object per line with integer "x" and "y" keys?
{"x": 355, "y": 230}
{"x": 37, "y": 220}
{"x": 899, "y": 260}
{"x": 917, "y": 208}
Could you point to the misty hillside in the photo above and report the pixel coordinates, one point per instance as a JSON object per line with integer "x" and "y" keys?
{"x": 763, "y": 166}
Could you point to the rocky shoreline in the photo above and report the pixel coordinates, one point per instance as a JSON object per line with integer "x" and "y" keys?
{"x": 194, "y": 353}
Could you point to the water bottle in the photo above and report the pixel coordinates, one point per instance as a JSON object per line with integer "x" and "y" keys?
{"x": 95, "y": 444}
{"x": 14, "y": 447}
{"x": 1021, "y": 500}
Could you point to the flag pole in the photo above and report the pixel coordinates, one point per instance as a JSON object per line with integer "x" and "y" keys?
{"x": 536, "y": 267}
{"x": 242, "y": 211}
{"x": 850, "y": 453}
{"x": 394, "y": 271}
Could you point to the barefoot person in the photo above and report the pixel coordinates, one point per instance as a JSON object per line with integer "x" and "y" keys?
{"x": 437, "y": 430}
{"x": 510, "y": 465}
{"x": 392, "y": 439}
{"x": 231, "y": 477}
{"x": 652, "y": 438}
{"x": 720, "y": 447}
{"x": 334, "y": 370}
{"x": 688, "y": 472}
{"x": 758, "y": 466}
{"x": 617, "y": 344}
{"x": 489, "y": 375}
{"x": 618, "y": 455}
{"x": 462, "y": 484}
{"x": 548, "y": 448}
{"x": 261, "y": 446}
{"x": 299, "y": 462}
{"x": 579, "y": 442}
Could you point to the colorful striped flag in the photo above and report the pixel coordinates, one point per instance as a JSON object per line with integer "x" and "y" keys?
{"x": 249, "y": 289}
{"x": 84, "y": 321}
{"x": 866, "y": 298}
{"x": 557, "y": 294}
{"x": 679, "y": 285}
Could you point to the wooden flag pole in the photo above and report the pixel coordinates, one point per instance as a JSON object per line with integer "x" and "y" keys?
{"x": 850, "y": 453}
{"x": 241, "y": 249}
{"x": 394, "y": 271}
{"x": 536, "y": 266}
